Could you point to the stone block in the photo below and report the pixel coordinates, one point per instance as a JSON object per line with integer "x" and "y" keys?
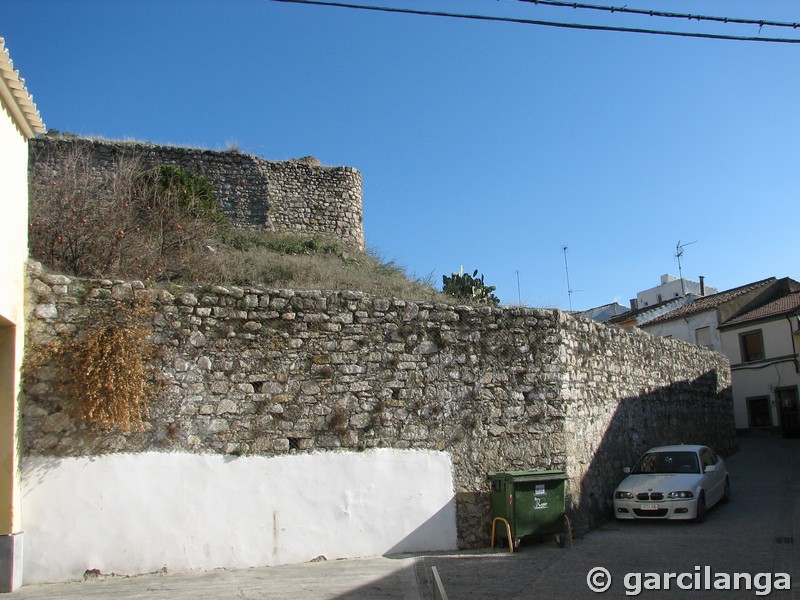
{"x": 227, "y": 406}
{"x": 46, "y": 312}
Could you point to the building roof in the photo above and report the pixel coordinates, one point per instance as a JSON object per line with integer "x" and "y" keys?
{"x": 635, "y": 314}
{"x": 16, "y": 97}
{"x": 710, "y": 302}
{"x": 603, "y": 312}
{"x": 787, "y": 305}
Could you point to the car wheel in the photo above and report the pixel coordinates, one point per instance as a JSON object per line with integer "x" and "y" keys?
{"x": 726, "y": 495}
{"x": 700, "y": 517}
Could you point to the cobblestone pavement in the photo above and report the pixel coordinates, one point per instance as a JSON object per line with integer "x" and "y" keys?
{"x": 753, "y": 534}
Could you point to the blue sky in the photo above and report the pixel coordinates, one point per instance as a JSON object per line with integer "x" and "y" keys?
{"x": 483, "y": 144}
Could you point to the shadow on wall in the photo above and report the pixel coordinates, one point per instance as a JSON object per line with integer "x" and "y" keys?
{"x": 686, "y": 412}
{"x": 436, "y": 533}
{"x": 694, "y": 411}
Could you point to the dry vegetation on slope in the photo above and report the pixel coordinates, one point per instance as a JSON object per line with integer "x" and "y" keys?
{"x": 164, "y": 225}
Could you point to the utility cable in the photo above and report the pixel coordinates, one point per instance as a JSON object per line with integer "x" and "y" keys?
{"x": 429, "y": 13}
{"x": 658, "y": 13}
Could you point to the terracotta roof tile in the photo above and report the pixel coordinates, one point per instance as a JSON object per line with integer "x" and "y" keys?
{"x": 787, "y": 305}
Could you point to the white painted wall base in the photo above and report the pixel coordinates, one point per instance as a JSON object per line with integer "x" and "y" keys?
{"x": 136, "y": 513}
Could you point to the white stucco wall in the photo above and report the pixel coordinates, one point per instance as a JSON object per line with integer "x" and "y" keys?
{"x": 684, "y": 328}
{"x": 19, "y": 120}
{"x": 751, "y": 383}
{"x": 136, "y": 513}
{"x": 13, "y": 256}
{"x": 763, "y": 377}
{"x": 14, "y": 221}
{"x": 776, "y": 334}
{"x": 669, "y": 289}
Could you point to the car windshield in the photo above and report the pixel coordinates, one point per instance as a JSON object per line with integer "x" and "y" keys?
{"x": 667, "y": 462}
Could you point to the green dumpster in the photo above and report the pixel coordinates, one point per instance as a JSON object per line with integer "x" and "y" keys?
{"x": 528, "y": 503}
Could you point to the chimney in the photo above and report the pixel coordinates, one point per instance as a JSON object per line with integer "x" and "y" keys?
{"x": 702, "y": 285}
{"x": 634, "y": 304}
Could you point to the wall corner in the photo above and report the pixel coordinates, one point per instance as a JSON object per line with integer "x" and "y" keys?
{"x": 10, "y": 562}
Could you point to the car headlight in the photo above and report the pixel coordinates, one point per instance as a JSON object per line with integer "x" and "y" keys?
{"x": 623, "y": 495}
{"x": 677, "y": 495}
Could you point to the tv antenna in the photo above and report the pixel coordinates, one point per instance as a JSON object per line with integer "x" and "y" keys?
{"x": 570, "y": 291}
{"x": 678, "y": 253}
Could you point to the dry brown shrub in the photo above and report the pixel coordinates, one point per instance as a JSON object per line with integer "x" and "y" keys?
{"x": 121, "y": 220}
{"x": 107, "y": 372}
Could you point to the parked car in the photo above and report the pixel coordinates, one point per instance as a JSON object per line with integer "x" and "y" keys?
{"x": 673, "y": 482}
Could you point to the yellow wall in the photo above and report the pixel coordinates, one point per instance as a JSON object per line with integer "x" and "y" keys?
{"x": 13, "y": 254}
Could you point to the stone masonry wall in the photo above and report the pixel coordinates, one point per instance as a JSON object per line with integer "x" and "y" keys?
{"x": 271, "y": 372}
{"x": 297, "y": 196}
{"x": 626, "y": 391}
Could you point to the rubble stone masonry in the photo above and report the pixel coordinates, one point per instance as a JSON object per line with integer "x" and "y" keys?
{"x": 297, "y": 196}
{"x": 274, "y": 372}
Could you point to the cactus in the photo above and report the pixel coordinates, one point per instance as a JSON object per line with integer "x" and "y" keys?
{"x": 469, "y": 287}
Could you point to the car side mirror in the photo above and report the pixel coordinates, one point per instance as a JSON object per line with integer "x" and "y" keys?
{"x": 711, "y": 468}
{"x": 626, "y": 470}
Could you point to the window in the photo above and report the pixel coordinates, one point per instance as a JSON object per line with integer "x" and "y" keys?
{"x": 667, "y": 462}
{"x": 758, "y": 409}
{"x": 703, "y": 337}
{"x": 752, "y": 345}
{"x": 708, "y": 457}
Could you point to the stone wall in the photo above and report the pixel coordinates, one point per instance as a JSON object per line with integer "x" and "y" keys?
{"x": 274, "y": 372}
{"x": 297, "y": 196}
{"x": 626, "y": 391}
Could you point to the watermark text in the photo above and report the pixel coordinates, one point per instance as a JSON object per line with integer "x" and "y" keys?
{"x": 599, "y": 580}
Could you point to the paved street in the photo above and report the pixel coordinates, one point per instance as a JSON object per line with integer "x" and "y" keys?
{"x": 749, "y": 535}
{"x": 753, "y": 534}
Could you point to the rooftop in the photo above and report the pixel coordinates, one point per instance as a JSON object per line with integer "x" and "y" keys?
{"x": 786, "y": 306}
{"x": 710, "y": 302}
{"x": 16, "y": 97}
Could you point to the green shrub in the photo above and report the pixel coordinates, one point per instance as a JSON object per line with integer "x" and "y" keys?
{"x": 132, "y": 223}
{"x": 194, "y": 194}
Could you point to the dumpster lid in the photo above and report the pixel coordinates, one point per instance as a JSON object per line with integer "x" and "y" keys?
{"x": 530, "y": 475}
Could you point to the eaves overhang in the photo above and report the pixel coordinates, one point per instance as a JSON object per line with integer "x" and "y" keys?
{"x": 15, "y": 97}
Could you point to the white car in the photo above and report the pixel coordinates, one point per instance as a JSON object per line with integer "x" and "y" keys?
{"x": 673, "y": 482}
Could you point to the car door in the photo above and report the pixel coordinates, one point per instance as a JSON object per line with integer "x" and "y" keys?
{"x": 715, "y": 480}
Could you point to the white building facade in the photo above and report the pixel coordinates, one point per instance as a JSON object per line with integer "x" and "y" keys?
{"x": 699, "y": 328}
{"x": 18, "y": 123}
{"x": 762, "y": 346}
{"x": 756, "y": 327}
{"x": 672, "y": 287}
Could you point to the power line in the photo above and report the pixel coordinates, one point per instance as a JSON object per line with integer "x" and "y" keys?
{"x": 430, "y": 13}
{"x": 658, "y": 13}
